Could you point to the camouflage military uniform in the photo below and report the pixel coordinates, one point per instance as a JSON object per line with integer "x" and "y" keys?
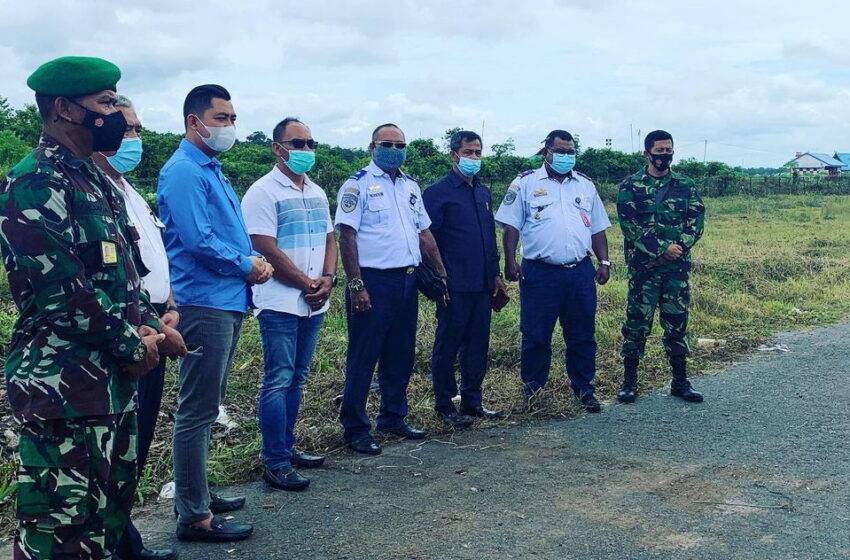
{"x": 654, "y": 213}
{"x": 71, "y": 260}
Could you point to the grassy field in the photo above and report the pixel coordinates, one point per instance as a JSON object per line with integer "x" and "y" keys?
{"x": 765, "y": 264}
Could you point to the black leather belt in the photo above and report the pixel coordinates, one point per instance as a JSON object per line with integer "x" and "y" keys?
{"x": 567, "y": 266}
{"x": 399, "y": 270}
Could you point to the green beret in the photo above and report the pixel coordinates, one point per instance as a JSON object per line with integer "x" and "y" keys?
{"x": 72, "y": 76}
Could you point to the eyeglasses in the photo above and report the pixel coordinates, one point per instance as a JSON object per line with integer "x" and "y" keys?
{"x": 300, "y": 143}
{"x": 563, "y": 151}
{"x": 397, "y": 145}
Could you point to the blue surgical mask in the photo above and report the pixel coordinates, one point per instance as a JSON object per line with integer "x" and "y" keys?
{"x": 389, "y": 159}
{"x": 300, "y": 161}
{"x": 127, "y": 157}
{"x": 469, "y": 166}
{"x": 563, "y": 163}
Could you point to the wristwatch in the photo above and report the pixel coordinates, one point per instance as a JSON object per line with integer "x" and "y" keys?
{"x": 172, "y": 308}
{"x": 605, "y": 263}
{"x": 332, "y": 277}
{"x": 355, "y": 285}
{"x": 139, "y": 353}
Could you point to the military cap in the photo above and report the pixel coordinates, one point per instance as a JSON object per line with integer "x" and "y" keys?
{"x": 72, "y": 76}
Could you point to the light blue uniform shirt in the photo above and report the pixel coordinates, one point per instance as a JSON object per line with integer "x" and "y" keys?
{"x": 205, "y": 237}
{"x": 555, "y": 220}
{"x": 387, "y": 216}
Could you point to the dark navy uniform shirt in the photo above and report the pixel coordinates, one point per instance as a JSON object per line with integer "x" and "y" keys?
{"x": 462, "y": 223}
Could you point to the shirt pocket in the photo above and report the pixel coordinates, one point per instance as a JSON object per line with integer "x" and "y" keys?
{"x": 541, "y": 209}
{"x": 99, "y": 246}
{"x": 377, "y": 213}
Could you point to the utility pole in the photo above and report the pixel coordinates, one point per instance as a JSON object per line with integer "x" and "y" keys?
{"x": 704, "y": 150}
{"x": 482, "y": 128}
{"x": 632, "y": 136}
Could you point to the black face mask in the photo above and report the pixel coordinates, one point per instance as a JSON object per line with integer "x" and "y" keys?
{"x": 661, "y": 161}
{"x": 107, "y": 130}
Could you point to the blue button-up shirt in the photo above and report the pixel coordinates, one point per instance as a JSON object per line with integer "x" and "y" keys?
{"x": 555, "y": 220}
{"x": 205, "y": 237}
{"x": 462, "y": 223}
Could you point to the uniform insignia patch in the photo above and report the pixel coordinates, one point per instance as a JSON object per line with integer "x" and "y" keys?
{"x": 354, "y": 190}
{"x": 413, "y": 199}
{"x": 510, "y": 197}
{"x": 349, "y": 202}
{"x": 540, "y": 192}
{"x": 109, "y": 252}
{"x": 374, "y": 188}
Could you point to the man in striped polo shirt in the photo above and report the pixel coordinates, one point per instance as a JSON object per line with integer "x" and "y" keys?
{"x": 288, "y": 219}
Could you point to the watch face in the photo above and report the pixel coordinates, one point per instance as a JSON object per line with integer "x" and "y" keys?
{"x": 139, "y": 353}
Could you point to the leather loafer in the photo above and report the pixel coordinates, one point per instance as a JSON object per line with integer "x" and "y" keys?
{"x": 454, "y": 419}
{"x": 223, "y": 505}
{"x": 285, "y": 478}
{"x": 684, "y": 391}
{"x": 588, "y": 400}
{"x": 219, "y": 531}
{"x": 628, "y": 393}
{"x": 481, "y": 412}
{"x": 405, "y": 431}
{"x": 306, "y": 460}
{"x": 151, "y": 554}
{"x": 365, "y": 445}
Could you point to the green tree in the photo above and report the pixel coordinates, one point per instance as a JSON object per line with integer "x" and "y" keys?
{"x": 12, "y": 150}
{"x": 447, "y": 137}
{"x": 506, "y": 148}
{"x": 258, "y": 138}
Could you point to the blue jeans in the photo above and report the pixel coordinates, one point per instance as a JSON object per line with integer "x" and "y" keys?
{"x": 550, "y": 294}
{"x": 288, "y": 345}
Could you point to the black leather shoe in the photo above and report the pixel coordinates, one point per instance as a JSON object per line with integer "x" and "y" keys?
{"x": 219, "y": 531}
{"x": 588, "y": 400}
{"x": 481, "y": 412}
{"x": 223, "y": 505}
{"x": 405, "y": 431}
{"x": 628, "y": 393}
{"x": 157, "y": 554}
{"x": 285, "y": 479}
{"x": 306, "y": 460}
{"x": 454, "y": 419}
{"x": 365, "y": 445}
{"x": 684, "y": 391}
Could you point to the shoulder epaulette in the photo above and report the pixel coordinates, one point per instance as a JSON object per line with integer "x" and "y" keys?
{"x": 359, "y": 174}
{"x": 583, "y": 175}
{"x": 526, "y": 173}
{"x": 406, "y": 176}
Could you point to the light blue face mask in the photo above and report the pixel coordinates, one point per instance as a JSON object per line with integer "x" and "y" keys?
{"x": 563, "y": 163}
{"x": 127, "y": 157}
{"x": 469, "y": 166}
{"x": 301, "y": 161}
{"x": 389, "y": 159}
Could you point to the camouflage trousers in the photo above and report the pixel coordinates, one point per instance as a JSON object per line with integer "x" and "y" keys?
{"x": 670, "y": 292}
{"x": 76, "y": 483}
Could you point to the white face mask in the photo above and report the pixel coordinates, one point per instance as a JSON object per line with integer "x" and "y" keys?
{"x": 221, "y": 138}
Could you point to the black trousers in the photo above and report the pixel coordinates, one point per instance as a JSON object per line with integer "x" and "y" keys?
{"x": 150, "y": 397}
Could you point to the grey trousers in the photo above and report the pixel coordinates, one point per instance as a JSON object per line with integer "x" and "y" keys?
{"x": 211, "y": 336}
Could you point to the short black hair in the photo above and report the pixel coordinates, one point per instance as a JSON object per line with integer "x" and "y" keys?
{"x": 549, "y": 141}
{"x": 461, "y": 136}
{"x": 280, "y": 128}
{"x": 382, "y": 126}
{"x": 655, "y": 136}
{"x": 200, "y": 99}
{"x": 44, "y": 104}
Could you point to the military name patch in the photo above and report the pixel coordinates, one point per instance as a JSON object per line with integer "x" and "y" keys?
{"x": 108, "y": 252}
{"x": 510, "y": 197}
{"x": 349, "y": 202}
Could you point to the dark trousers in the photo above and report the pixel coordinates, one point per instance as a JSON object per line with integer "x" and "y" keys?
{"x": 383, "y": 336}
{"x": 548, "y": 294}
{"x": 463, "y": 327}
{"x": 150, "y": 397}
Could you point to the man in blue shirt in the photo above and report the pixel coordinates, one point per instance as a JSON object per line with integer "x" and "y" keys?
{"x": 461, "y": 212}
{"x": 212, "y": 268}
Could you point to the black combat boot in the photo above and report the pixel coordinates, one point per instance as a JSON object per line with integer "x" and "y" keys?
{"x": 628, "y": 392}
{"x": 681, "y": 387}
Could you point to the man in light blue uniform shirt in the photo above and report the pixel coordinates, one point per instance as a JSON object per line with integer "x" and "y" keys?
{"x": 212, "y": 268}
{"x": 383, "y": 234}
{"x": 289, "y": 221}
{"x": 560, "y": 219}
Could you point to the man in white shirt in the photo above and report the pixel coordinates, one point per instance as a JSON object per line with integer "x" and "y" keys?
{"x": 288, "y": 218}
{"x": 156, "y": 282}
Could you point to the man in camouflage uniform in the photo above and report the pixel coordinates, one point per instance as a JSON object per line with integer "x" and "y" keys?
{"x": 662, "y": 217}
{"x": 85, "y": 329}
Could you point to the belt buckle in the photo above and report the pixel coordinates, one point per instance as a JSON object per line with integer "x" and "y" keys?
{"x": 410, "y": 270}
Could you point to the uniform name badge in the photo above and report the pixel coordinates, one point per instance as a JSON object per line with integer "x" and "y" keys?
{"x": 108, "y": 252}
{"x": 585, "y": 218}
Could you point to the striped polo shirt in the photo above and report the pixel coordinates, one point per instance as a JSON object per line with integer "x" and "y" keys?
{"x": 300, "y": 220}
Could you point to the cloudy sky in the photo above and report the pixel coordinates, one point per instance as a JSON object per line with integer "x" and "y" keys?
{"x": 757, "y": 79}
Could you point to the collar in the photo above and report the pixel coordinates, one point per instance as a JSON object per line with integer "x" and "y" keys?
{"x": 456, "y": 180}
{"x": 196, "y": 155}
{"x": 645, "y": 176}
{"x": 378, "y": 172}
{"x": 285, "y": 181}
{"x": 54, "y": 150}
{"x": 542, "y": 173}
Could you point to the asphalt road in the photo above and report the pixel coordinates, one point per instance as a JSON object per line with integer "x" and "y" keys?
{"x": 760, "y": 470}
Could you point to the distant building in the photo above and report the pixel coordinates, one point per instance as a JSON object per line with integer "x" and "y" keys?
{"x": 843, "y": 157}
{"x": 816, "y": 162}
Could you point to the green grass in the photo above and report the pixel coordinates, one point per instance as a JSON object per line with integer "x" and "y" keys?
{"x": 764, "y": 265}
